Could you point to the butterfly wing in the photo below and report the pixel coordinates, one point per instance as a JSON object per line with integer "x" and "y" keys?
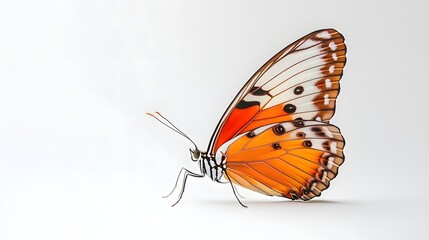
{"x": 299, "y": 82}
{"x": 296, "y": 159}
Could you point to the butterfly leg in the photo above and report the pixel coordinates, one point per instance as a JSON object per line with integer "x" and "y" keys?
{"x": 183, "y": 174}
{"x": 234, "y": 191}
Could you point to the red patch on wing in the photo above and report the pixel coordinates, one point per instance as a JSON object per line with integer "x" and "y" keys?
{"x": 234, "y": 123}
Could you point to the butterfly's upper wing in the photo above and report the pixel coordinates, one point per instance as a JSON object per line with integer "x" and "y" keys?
{"x": 295, "y": 159}
{"x": 299, "y": 82}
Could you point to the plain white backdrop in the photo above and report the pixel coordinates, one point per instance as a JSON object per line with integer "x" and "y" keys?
{"x": 79, "y": 159}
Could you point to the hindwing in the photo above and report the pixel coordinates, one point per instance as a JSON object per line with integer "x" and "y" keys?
{"x": 295, "y": 159}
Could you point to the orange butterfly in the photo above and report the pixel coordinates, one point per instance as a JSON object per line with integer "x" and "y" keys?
{"x": 275, "y": 137}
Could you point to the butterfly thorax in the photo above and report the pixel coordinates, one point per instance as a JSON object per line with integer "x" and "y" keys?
{"x": 212, "y": 166}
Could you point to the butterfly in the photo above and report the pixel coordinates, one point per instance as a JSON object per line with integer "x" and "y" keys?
{"x": 275, "y": 137}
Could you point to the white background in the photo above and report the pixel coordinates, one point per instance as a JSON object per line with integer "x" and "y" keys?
{"x": 79, "y": 159}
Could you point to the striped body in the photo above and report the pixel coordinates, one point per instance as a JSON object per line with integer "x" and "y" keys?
{"x": 212, "y": 167}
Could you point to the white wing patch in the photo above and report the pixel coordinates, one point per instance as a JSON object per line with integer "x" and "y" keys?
{"x": 328, "y": 83}
{"x": 324, "y": 34}
{"x": 333, "y": 46}
{"x": 312, "y": 60}
{"x": 326, "y": 97}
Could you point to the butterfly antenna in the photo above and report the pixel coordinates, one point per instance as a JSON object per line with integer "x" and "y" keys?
{"x": 170, "y": 125}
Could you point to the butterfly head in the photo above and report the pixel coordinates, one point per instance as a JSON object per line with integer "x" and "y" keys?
{"x": 195, "y": 154}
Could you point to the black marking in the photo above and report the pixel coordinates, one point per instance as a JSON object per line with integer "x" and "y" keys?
{"x": 326, "y": 146}
{"x": 298, "y": 90}
{"x": 305, "y": 191}
{"x": 276, "y": 146}
{"x": 293, "y": 195}
{"x": 307, "y": 143}
{"x": 324, "y": 161}
{"x": 258, "y": 91}
{"x": 320, "y": 177}
{"x": 300, "y": 134}
{"x": 312, "y": 184}
{"x": 223, "y": 157}
{"x": 298, "y": 122}
{"x": 250, "y": 134}
{"x": 320, "y": 134}
{"x": 279, "y": 129}
{"x": 289, "y": 108}
{"x": 254, "y": 88}
{"x": 316, "y": 129}
{"x": 243, "y": 104}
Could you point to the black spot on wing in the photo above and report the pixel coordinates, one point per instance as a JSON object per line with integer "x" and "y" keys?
{"x": 289, "y": 108}
{"x": 316, "y": 129}
{"x": 298, "y": 90}
{"x": 276, "y": 145}
{"x": 258, "y": 91}
{"x": 250, "y": 134}
{"x": 300, "y": 134}
{"x": 279, "y": 129}
{"x": 307, "y": 143}
{"x": 244, "y": 104}
{"x": 326, "y": 146}
{"x": 298, "y": 122}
